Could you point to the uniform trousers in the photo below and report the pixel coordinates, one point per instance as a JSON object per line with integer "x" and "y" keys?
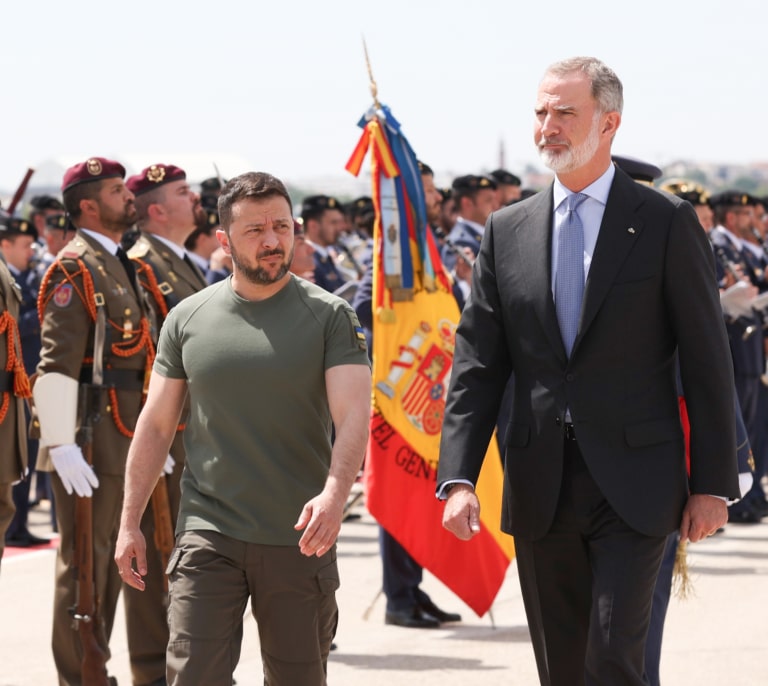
{"x": 19, "y": 524}
{"x": 146, "y": 612}
{"x": 401, "y": 575}
{"x": 107, "y": 502}
{"x": 212, "y": 577}
{"x": 587, "y": 586}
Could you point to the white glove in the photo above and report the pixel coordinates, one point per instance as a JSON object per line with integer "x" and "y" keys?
{"x": 75, "y": 473}
{"x": 736, "y": 301}
{"x": 170, "y": 463}
{"x": 745, "y": 482}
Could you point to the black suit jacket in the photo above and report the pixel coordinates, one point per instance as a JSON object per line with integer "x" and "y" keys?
{"x": 650, "y": 291}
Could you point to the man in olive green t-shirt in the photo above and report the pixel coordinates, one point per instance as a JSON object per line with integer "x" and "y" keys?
{"x": 270, "y": 362}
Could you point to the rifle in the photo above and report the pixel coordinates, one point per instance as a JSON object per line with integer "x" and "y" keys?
{"x": 85, "y": 612}
{"x": 161, "y": 511}
{"x": 19, "y": 194}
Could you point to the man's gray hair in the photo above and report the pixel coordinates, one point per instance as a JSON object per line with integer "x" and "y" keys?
{"x": 606, "y": 86}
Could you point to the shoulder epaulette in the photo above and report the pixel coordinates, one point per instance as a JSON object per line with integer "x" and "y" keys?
{"x": 74, "y": 249}
{"x": 139, "y": 249}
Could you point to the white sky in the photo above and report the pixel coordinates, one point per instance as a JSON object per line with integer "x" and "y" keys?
{"x": 282, "y": 84}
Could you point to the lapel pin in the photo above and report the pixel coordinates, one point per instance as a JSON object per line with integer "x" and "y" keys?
{"x": 631, "y": 230}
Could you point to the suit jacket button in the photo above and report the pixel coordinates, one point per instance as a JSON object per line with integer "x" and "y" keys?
{"x": 557, "y": 421}
{"x": 569, "y": 377}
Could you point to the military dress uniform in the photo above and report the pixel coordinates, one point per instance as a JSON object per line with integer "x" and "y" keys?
{"x": 465, "y": 233}
{"x": 168, "y": 279}
{"x": 89, "y": 283}
{"x": 745, "y": 333}
{"x": 14, "y": 386}
{"x": 28, "y": 323}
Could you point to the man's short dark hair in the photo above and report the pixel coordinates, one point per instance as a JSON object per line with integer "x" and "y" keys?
{"x": 249, "y": 186}
{"x": 81, "y": 191}
{"x": 156, "y": 196}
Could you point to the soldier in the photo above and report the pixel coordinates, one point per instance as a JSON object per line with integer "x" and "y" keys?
{"x": 733, "y": 214}
{"x": 475, "y": 198}
{"x": 508, "y": 187}
{"x": 47, "y": 215}
{"x": 323, "y": 223}
{"x": 695, "y": 194}
{"x": 95, "y": 335}
{"x": 14, "y": 387}
{"x": 166, "y": 207}
{"x": 17, "y": 241}
{"x": 303, "y": 263}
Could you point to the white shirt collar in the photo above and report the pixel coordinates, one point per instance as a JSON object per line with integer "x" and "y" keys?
{"x": 175, "y": 247}
{"x": 732, "y": 237}
{"x": 477, "y": 227}
{"x": 597, "y": 190}
{"x": 109, "y": 245}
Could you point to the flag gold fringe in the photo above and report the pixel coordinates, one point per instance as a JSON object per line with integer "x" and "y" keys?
{"x": 682, "y": 584}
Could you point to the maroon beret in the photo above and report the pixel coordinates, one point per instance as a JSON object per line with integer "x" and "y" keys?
{"x": 93, "y": 169}
{"x": 153, "y": 177}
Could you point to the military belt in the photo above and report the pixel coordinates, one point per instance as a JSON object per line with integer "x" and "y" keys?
{"x": 120, "y": 379}
{"x": 6, "y": 381}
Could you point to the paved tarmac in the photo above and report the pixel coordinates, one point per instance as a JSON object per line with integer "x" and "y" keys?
{"x": 717, "y": 637}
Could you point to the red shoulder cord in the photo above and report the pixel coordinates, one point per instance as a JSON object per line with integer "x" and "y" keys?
{"x": 13, "y": 363}
{"x": 149, "y": 283}
{"x": 134, "y": 343}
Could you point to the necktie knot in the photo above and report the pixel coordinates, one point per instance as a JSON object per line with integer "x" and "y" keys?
{"x": 573, "y": 201}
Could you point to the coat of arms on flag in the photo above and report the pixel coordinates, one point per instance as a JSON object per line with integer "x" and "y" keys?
{"x": 415, "y": 319}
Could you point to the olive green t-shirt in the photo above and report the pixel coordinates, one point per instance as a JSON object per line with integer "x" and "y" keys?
{"x": 258, "y": 437}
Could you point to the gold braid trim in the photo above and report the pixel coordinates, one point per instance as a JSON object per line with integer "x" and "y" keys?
{"x": 682, "y": 585}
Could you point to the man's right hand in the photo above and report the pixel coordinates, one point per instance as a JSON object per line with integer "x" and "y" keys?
{"x": 462, "y": 512}
{"x": 131, "y": 545}
{"x": 75, "y": 473}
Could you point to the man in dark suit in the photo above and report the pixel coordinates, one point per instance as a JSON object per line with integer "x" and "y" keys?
{"x": 595, "y": 475}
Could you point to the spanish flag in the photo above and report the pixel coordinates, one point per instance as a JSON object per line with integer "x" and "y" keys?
{"x": 415, "y": 319}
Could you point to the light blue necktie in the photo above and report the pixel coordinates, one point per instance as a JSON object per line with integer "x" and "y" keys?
{"x": 569, "y": 277}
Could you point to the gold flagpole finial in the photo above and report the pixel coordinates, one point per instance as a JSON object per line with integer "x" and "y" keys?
{"x": 374, "y": 88}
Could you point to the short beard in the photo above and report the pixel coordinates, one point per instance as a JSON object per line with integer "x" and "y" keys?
{"x": 258, "y": 275}
{"x": 119, "y": 223}
{"x": 574, "y": 157}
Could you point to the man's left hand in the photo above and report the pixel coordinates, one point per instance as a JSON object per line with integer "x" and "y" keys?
{"x": 321, "y": 520}
{"x": 703, "y": 516}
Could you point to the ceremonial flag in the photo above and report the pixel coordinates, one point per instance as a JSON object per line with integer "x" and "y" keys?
{"x": 415, "y": 318}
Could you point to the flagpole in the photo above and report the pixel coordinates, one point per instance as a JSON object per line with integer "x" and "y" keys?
{"x": 374, "y": 87}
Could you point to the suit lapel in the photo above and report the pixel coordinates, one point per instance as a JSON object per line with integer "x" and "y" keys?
{"x": 535, "y": 248}
{"x": 619, "y": 230}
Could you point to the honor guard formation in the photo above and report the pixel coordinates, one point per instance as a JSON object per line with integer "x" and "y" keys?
{"x": 160, "y": 334}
